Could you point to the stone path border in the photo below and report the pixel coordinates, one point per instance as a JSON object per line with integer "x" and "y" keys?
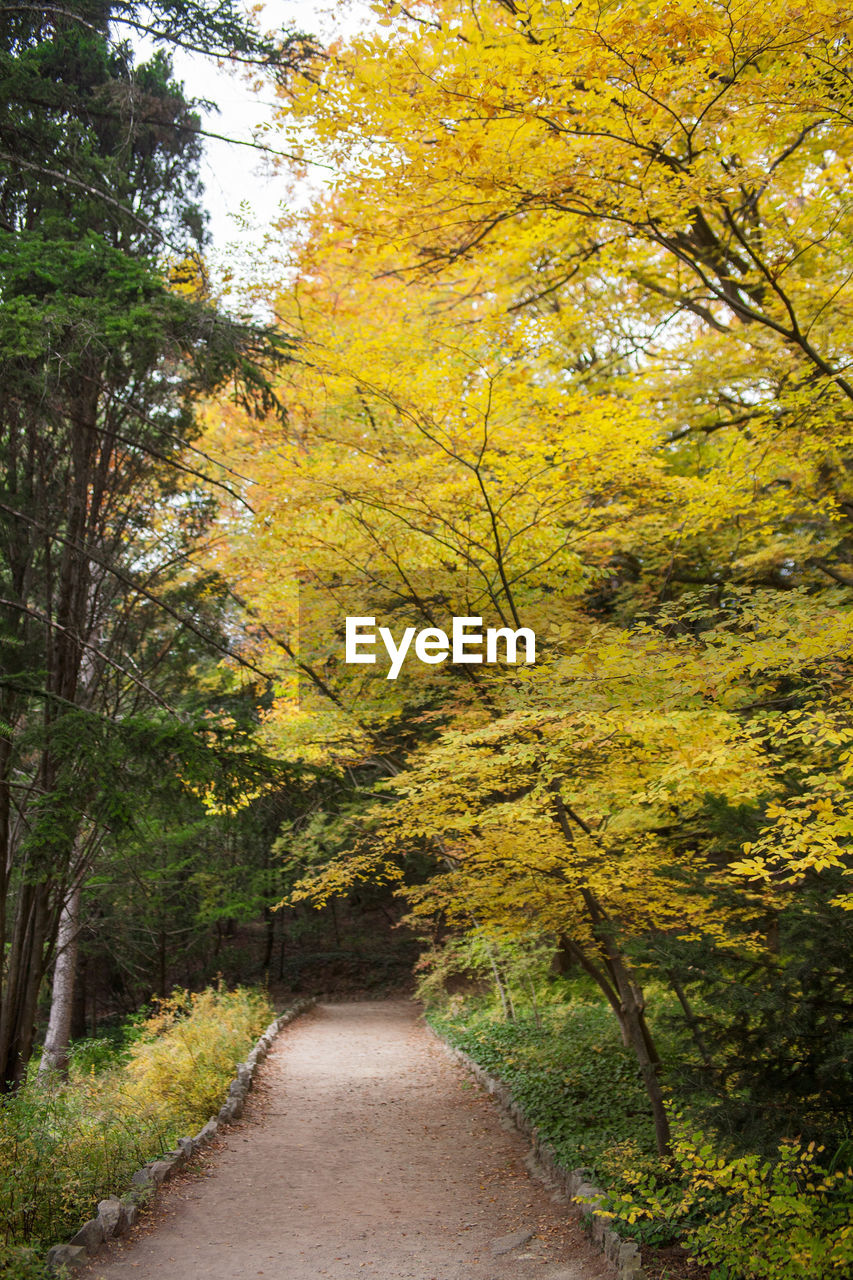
{"x": 574, "y": 1184}
{"x": 116, "y": 1216}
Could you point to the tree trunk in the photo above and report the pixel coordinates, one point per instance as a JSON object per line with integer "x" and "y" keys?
{"x": 335, "y": 927}
{"x": 161, "y": 963}
{"x": 282, "y": 947}
{"x": 78, "y": 1012}
{"x": 633, "y": 1020}
{"x": 611, "y": 971}
{"x": 269, "y": 938}
{"x": 506, "y": 1002}
{"x": 27, "y": 957}
{"x": 691, "y": 1020}
{"x": 55, "y": 1054}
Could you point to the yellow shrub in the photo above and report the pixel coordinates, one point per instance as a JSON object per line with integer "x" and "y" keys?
{"x": 66, "y": 1145}
{"x": 746, "y": 1216}
{"x": 188, "y": 1052}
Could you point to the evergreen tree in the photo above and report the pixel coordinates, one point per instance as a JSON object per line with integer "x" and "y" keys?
{"x": 107, "y": 336}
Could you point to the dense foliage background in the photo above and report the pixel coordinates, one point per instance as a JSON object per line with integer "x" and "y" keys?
{"x": 565, "y": 345}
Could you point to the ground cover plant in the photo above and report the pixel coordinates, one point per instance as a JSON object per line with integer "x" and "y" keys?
{"x": 747, "y": 1216}
{"x": 569, "y": 1072}
{"x": 783, "y": 1212}
{"x": 66, "y": 1143}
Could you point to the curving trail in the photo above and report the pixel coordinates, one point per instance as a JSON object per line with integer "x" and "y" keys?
{"x": 364, "y": 1151}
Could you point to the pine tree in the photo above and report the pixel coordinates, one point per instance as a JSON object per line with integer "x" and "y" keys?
{"x": 107, "y": 337}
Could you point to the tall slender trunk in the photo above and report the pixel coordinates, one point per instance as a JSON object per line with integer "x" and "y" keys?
{"x": 5, "y": 854}
{"x": 633, "y": 1020}
{"x": 505, "y": 998}
{"x": 269, "y": 938}
{"x": 611, "y": 971}
{"x": 81, "y": 1000}
{"x": 691, "y": 1020}
{"x": 282, "y": 946}
{"x": 25, "y": 969}
{"x": 41, "y": 878}
{"x": 161, "y": 963}
{"x": 55, "y": 1054}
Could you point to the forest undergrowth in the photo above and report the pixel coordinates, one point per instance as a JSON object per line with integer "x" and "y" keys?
{"x": 784, "y": 1212}
{"x": 67, "y": 1143}
{"x": 560, "y": 356}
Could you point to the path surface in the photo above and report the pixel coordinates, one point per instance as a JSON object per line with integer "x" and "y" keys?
{"x": 365, "y": 1151}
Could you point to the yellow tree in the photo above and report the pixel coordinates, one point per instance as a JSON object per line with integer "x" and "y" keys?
{"x": 675, "y": 205}
{"x": 573, "y": 357}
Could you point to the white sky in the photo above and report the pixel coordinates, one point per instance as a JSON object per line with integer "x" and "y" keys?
{"x": 241, "y": 197}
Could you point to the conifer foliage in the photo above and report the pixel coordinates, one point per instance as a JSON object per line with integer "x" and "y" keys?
{"x": 107, "y": 337}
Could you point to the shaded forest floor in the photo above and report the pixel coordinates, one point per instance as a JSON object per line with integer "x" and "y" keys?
{"x": 342, "y": 952}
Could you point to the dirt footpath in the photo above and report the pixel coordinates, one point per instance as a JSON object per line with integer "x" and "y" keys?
{"x": 364, "y": 1151}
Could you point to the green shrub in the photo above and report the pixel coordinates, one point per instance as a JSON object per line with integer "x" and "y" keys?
{"x": 747, "y": 1217}
{"x": 62, "y": 1147}
{"x": 20, "y": 1263}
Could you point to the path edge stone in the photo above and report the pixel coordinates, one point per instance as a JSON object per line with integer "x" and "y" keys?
{"x": 116, "y": 1215}
{"x": 574, "y": 1184}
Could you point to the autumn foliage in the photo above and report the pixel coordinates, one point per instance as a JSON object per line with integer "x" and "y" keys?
{"x": 65, "y": 1144}
{"x": 575, "y": 328}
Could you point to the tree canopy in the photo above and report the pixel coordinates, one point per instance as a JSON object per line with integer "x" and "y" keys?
{"x": 575, "y": 335}
{"x": 562, "y": 349}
